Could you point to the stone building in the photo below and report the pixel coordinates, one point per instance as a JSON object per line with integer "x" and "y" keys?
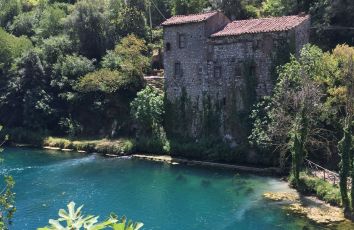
{"x": 215, "y": 69}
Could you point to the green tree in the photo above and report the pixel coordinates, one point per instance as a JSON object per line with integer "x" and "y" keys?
{"x": 341, "y": 97}
{"x": 24, "y": 24}
{"x": 288, "y": 120}
{"x": 183, "y": 7}
{"x": 148, "y": 111}
{"x": 344, "y": 147}
{"x": 9, "y": 10}
{"x": 128, "y": 57}
{"x": 7, "y": 199}
{"x": 286, "y": 7}
{"x": 88, "y": 25}
{"x": 51, "y": 22}
{"x": 130, "y": 20}
{"x": 28, "y": 93}
{"x": 11, "y": 47}
{"x": 238, "y": 9}
{"x": 106, "y": 81}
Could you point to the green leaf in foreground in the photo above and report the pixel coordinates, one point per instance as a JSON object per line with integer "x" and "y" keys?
{"x": 72, "y": 219}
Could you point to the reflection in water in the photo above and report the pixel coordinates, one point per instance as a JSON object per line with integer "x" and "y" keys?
{"x": 168, "y": 197}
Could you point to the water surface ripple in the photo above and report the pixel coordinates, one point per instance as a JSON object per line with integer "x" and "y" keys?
{"x": 163, "y": 196}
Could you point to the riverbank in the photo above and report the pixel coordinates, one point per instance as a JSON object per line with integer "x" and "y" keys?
{"x": 311, "y": 208}
{"x": 130, "y": 147}
{"x": 127, "y": 147}
{"x": 174, "y": 160}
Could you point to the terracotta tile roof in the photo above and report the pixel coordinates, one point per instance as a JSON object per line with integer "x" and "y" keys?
{"x": 183, "y": 19}
{"x": 261, "y": 25}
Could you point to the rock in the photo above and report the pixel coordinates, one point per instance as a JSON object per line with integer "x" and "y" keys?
{"x": 320, "y": 212}
{"x": 51, "y": 148}
{"x": 320, "y": 215}
{"x": 282, "y": 196}
{"x": 67, "y": 150}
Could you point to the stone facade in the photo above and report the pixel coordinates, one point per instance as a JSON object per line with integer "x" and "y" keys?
{"x": 214, "y": 80}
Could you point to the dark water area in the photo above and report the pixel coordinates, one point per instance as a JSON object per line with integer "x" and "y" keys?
{"x": 162, "y": 196}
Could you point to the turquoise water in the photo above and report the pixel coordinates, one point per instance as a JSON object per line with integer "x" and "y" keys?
{"x": 163, "y": 196}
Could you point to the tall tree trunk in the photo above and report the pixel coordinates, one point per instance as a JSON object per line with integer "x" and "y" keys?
{"x": 344, "y": 147}
{"x": 298, "y": 145}
{"x": 296, "y": 158}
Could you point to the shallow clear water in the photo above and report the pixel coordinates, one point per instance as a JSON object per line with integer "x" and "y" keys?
{"x": 163, "y": 196}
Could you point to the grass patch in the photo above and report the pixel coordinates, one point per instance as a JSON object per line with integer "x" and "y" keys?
{"x": 309, "y": 185}
{"x": 121, "y": 146}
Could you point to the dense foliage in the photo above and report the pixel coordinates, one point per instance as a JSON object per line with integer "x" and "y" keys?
{"x": 311, "y": 113}
{"x": 148, "y": 110}
{"x": 7, "y": 197}
{"x": 63, "y": 60}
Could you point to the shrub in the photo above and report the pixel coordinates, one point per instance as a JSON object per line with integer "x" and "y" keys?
{"x": 58, "y": 142}
{"x": 211, "y": 149}
{"x": 117, "y": 147}
{"x": 148, "y": 109}
{"x": 106, "y": 81}
{"x": 324, "y": 190}
{"x": 26, "y": 136}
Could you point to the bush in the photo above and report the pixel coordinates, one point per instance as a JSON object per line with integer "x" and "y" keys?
{"x": 117, "y": 147}
{"x": 58, "y": 142}
{"x": 211, "y": 149}
{"x": 107, "y": 81}
{"x": 148, "y": 110}
{"x": 322, "y": 189}
{"x": 26, "y": 136}
{"x": 154, "y": 144}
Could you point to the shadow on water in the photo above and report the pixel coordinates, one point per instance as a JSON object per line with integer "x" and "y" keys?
{"x": 205, "y": 183}
{"x": 181, "y": 178}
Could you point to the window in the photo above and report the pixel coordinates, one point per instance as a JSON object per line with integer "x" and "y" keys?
{"x": 168, "y": 46}
{"x": 253, "y": 70}
{"x": 181, "y": 41}
{"x": 178, "y": 69}
{"x": 217, "y": 71}
{"x": 238, "y": 71}
{"x": 200, "y": 71}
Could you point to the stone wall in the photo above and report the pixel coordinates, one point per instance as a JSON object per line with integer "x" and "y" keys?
{"x": 223, "y": 76}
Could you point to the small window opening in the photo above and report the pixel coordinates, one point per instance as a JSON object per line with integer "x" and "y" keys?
{"x": 217, "y": 71}
{"x": 181, "y": 41}
{"x": 168, "y": 46}
{"x": 178, "y": 69}
{"x": 200, "y": 71}
{"x": 253, "y": 70}
{"x": 238, "y": 71}
{"x": 224, "y": 101}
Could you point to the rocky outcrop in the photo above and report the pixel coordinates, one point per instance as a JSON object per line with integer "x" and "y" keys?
{"x": 309, "y": 207}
